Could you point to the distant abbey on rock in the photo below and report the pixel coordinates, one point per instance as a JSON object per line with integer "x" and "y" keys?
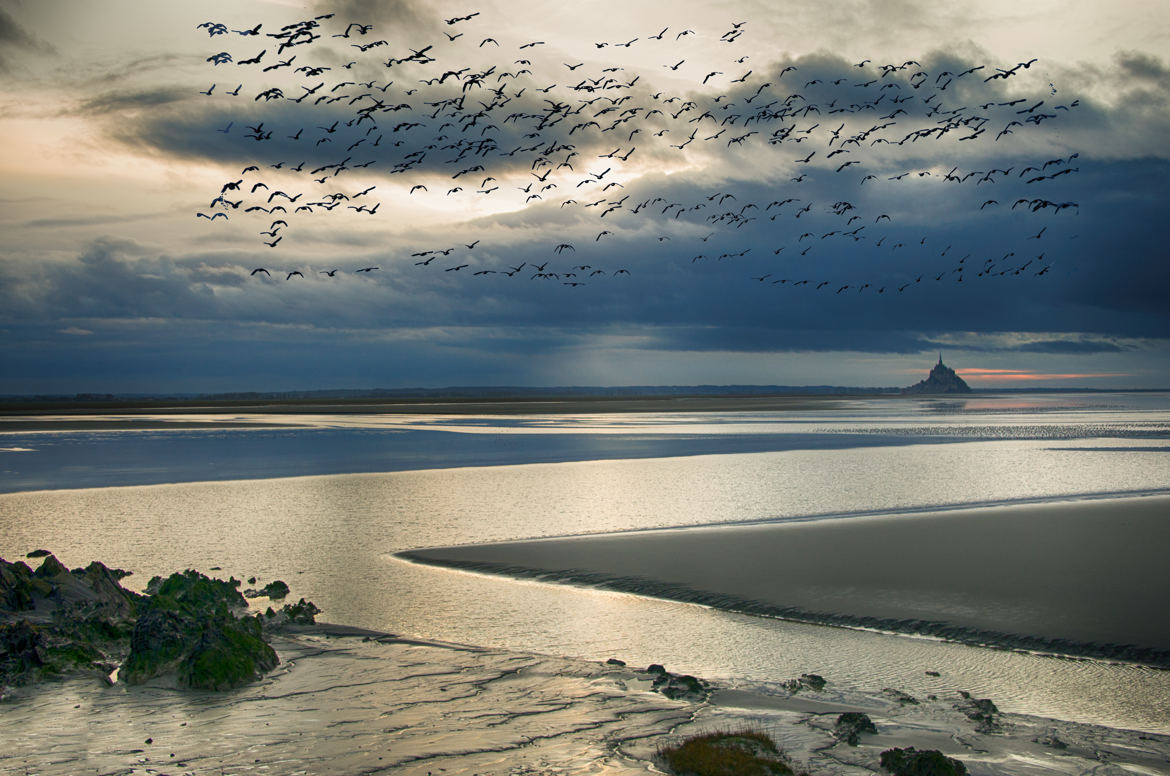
{"x": 942, "y": 379}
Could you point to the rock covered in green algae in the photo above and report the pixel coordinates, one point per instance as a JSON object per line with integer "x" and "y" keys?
{"x": 301, "y": 613}
{"x": 54, "y": 621}
{"x": 189, "y": 627}
{"x": 928, "y": 762}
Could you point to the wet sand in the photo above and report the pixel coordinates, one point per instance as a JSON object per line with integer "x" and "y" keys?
{"x": 342, "y": 703}
{"x": 1079, "y": 577}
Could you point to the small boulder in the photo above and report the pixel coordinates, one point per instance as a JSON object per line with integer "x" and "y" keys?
{"x": 1049, "y": 739}
{"x": 980, "y": 711}
{"x": 681, "y": 687}
{"x": 274, "y": 590}
{"x": 301, "y": 613}
{"x": 851, "y": 725}
{"x": 903, "y": 698}
{"x": 814, "y": 682}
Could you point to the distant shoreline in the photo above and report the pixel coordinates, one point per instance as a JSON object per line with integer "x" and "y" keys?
{"x": 504, "y": 401}
{"x": 423, "y": 405}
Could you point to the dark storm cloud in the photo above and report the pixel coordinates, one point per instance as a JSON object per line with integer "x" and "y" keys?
{"x": 15, "y": 36}
{"x": 947, "y": 235}
{"x": 413, "y": 18}
{"x": 1139, "y": 64}
{"x": 122, "y": 101}
{"x": 1081, "y": 346}
{"x": 754, "y": 339}
{"x": 12, "y": 33}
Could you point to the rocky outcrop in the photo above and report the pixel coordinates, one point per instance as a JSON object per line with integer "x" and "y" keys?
{"x": 851, "y": 725}
{"x": 188, "y": 630}
{"x": 678, "y": 686}
{"x": 54, "y": 621}
{"x": 982, "y": 711}
{"x": 814, "y": 682}
{"x": 274, "y": 590}
{"x": 928, "y": 762}
{"x": 192, "y": 628}
{"x": 301, "y": 613}
{"x": 942, "y": 379}
{"x": 903, "y": 698}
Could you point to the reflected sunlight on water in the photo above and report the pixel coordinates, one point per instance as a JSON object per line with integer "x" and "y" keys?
{"x": 331, "y": 537}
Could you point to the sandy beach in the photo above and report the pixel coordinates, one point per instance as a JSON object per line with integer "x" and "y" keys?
{"x": 348, "y": 702}
{"x": 1078, "y": 577}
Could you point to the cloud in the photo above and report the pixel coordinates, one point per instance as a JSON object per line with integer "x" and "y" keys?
{"x": 14, "y": 36}
{"x": 827, "y": 208}
{"x": 1139, "y": 64}
{"x": 131, "y": 101}
{"x": 75, "y": 331}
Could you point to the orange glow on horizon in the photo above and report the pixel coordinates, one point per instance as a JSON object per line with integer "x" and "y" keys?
{"x": 984, "y": 375}
{"x": 1015, "y": 375}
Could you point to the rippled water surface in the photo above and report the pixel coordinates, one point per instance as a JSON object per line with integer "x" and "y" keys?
{"x": 374, "y": 485}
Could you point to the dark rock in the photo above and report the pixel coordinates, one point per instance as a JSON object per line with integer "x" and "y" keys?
{"x": 229, "y": 653}
{"x": 901, "y": 697}
{"x": 806, "y": 682}
{"x": 613, "y": 661}
{"x": 51, "y": 567}
{"x": 189, "y": 628}
{"x": 677, "y": 686}
{"x": 274, "y": 590}
{"x": 928, "y": 762}
{"x": 18, "y": 586}
{"x": 1050, "y": 739}
{"x": 813, "y": 681}
{"x": 981, "y": 711}
{"x": 57, "y": 622}
{"x": 38, "y": 554}
{"x": 681, "y": 687}
{"x": 851, "y": 725}
{"x": 942, "y": 379}
{"x": 20, "y": 651}
{"x": 933, "y": 673}
{"x": 301, "y": 613}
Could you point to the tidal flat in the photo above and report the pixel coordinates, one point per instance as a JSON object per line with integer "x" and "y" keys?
{"x": 345, "y": 701}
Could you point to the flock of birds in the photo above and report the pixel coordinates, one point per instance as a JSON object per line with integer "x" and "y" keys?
{"x": 458, "y": 132}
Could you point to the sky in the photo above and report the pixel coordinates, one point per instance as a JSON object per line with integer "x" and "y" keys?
{"x": 598, "y": 193}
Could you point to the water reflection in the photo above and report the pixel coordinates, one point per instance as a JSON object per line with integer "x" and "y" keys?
{"x": 330, "y": 537}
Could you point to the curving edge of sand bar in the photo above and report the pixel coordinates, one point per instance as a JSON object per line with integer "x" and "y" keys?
{"x": 1080, "y": 577}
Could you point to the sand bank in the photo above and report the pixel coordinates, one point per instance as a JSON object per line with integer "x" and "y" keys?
{"x": 1079, "y": 577}
{"x": 346, "y": 704}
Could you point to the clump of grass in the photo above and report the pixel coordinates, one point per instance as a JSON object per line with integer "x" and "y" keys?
{"x": 728, "y": 753}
